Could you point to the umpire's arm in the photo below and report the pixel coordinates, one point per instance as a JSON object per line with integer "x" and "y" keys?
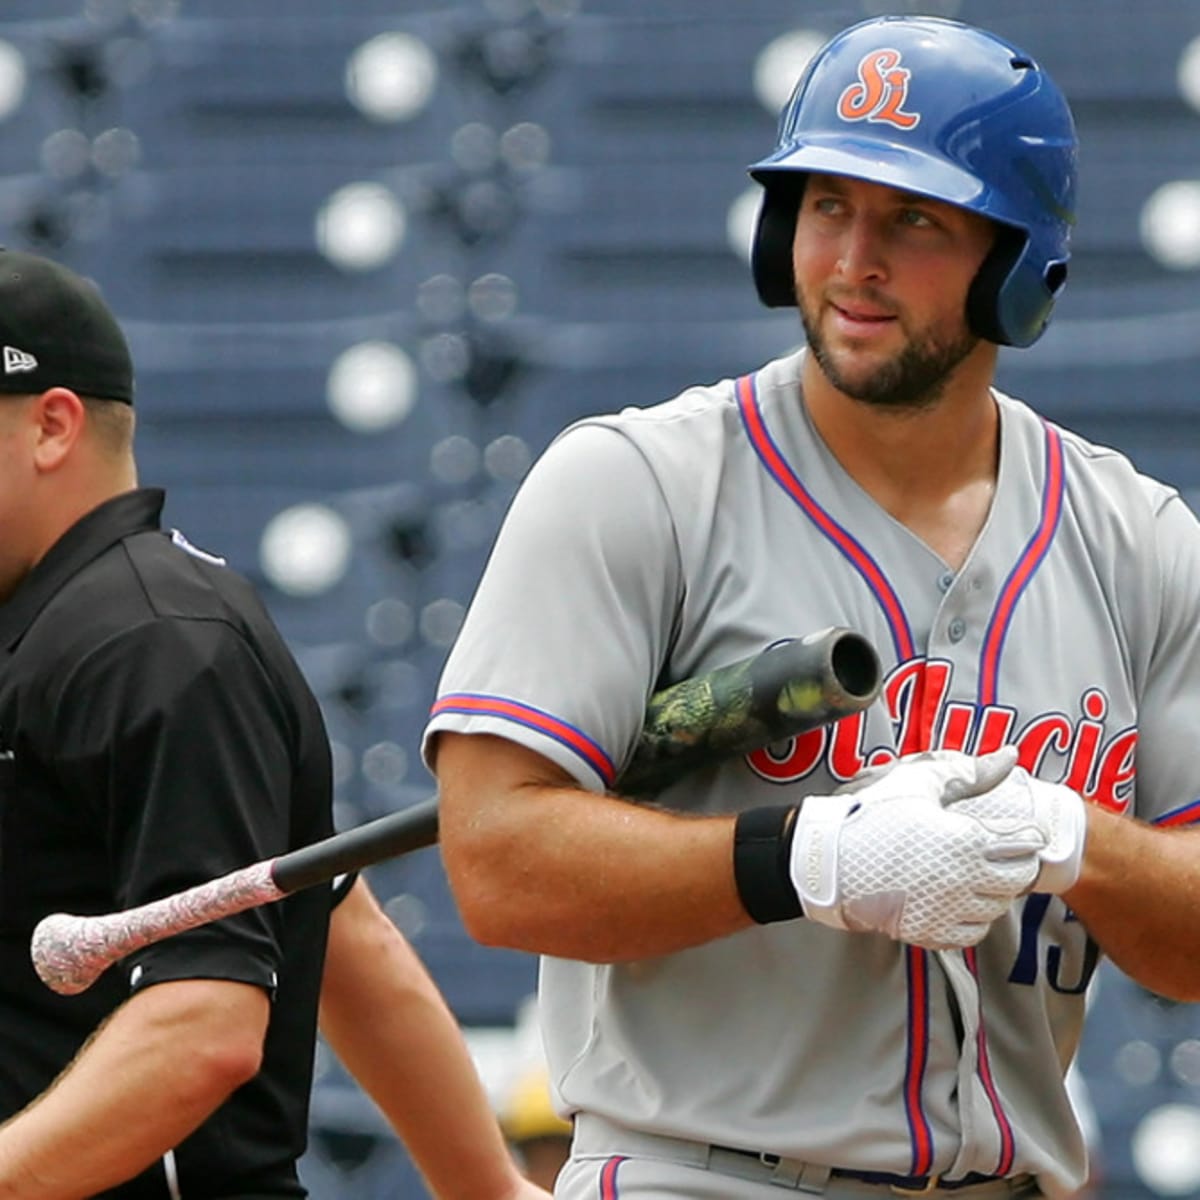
{"x": 385, "y": 1019}
{"x": 160, "y": 1065}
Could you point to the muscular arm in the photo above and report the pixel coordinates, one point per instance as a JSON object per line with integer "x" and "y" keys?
{"x": 150, "y": 1075}
{"x": 1138, "y": 896}
{"x": 389, "y": 1025}
{"x": 1140, "y": 887}
{"x": 539, "y": 864}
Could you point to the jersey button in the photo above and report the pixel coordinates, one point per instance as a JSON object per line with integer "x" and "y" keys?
{"x": 945, "y": 580}
{"x": 956, "y": 629}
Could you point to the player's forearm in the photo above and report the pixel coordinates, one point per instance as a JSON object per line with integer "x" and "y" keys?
{"x": 614, "y": 882}
{"x": 386, "y": 1021}
{"x": 147, "y": 1079}
{"x": 1137, "y": 896}
{"x": 542, "y": 866}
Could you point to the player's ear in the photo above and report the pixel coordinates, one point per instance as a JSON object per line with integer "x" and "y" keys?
{"x": 59, "y": 416}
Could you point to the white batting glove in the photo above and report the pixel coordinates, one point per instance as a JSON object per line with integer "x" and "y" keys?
{"x": 894, "y": 856}
{"x": 1060, "y": 813}
{"x": 943, "y": 775}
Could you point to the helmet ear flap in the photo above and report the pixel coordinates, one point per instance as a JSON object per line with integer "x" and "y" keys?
{"x": 771, "y": 250}
{"x": 1004, "y": 309}
{"x": 983, "y": 296}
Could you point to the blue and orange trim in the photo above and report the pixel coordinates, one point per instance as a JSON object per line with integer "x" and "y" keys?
{"x": 1018, "y": 580}
{"x": 608, "y": 1177}
{"x": 920, "y": 1134}
{"x": 1026, "y": 567}
{"x": 480, "y": 705}
{"x": 1188, "y": 814}
{"x": 917, "y": 961}
{"x": 781, "y": 471}
{"x": 1007, "y": 1137}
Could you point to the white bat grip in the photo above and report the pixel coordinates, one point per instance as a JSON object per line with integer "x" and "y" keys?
{"x": 70, "y": 952}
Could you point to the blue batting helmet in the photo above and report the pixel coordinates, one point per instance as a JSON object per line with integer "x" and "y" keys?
{"x": 944, "y": 110}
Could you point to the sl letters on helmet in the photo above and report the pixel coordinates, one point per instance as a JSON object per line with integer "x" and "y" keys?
{"x": 880, "y": 92}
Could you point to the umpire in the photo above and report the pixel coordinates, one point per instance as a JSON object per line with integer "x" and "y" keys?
{"x": 154, "y": 732}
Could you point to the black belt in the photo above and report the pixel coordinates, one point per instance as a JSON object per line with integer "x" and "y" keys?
{"x": 923, "y": 1183}
{"x": 902, "y": 1183}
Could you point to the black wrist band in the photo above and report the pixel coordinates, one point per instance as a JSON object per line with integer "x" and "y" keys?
{"x": 762, "y": 848}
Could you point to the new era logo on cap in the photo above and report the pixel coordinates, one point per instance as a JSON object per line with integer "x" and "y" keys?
{"x": 17, "y": 360}
{"x": 57, "y": 331}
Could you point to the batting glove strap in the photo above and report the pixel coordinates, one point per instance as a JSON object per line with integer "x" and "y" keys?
{"x": 814, "y": 861}
{"x": 1064, "y": 818}
{"x": 762, "y": 851}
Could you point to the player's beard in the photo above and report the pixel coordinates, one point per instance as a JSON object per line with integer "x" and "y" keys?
{"x": 913, "y": 379}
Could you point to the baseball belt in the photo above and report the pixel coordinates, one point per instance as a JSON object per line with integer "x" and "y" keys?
{"x": 597, "y": 1136}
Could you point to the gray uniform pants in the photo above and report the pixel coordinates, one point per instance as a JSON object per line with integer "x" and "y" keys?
{"x": 609, "y": 1162}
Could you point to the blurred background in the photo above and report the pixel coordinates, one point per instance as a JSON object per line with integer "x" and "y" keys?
{"x": 372, "y": 255}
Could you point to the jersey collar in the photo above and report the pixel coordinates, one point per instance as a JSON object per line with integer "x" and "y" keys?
{"x": 131, "y": 512}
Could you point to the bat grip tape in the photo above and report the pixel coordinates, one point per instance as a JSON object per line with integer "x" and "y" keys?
{"x": 762, "y": 849}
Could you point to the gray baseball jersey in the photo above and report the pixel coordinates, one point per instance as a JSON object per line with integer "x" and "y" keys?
{"x": 657, "y": 544}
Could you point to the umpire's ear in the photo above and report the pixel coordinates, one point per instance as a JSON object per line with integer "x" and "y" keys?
{"x": 58, "y": 418}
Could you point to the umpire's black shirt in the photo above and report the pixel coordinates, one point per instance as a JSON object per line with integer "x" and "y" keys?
{"x": 155, "y": 732}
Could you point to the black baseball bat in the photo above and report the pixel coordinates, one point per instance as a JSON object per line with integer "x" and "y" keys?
{"x": 789, "y": 688}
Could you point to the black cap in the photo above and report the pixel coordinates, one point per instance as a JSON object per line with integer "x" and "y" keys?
{"x": 56, "y": 331}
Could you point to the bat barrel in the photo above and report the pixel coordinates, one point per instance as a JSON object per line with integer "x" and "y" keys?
{"x": 790, "y": 688}
{"x": 854, "y": 666}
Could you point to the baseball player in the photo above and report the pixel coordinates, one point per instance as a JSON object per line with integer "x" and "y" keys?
{"x": 820, "y": 967}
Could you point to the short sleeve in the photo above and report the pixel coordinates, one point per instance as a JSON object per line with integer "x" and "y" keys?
{"x": 185, "y": 763}
{"x": 573, "y": 618}
{"x": 1168, "y": 771}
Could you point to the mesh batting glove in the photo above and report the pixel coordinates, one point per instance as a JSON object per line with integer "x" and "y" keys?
{"x": 891, "y": 858}
{"x": 1059, "y": 812}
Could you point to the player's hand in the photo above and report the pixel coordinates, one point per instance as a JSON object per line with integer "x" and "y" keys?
{"x": 896, "y": 857}
{"x": 995, "y": 786}
{"x": 1059, "y": 812}
{"x": 943, "y": 775}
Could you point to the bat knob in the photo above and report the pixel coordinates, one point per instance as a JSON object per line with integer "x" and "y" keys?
{"x": 62, "y": 954}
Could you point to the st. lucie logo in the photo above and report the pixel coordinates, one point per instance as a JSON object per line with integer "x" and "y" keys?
{"x": 880, "y": 93}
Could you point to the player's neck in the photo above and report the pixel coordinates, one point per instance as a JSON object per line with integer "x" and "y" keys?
{"x": 933, "y": 468}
